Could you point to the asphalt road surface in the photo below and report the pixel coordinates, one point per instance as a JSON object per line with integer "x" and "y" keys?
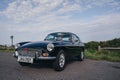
{"x": 75, "y": 70}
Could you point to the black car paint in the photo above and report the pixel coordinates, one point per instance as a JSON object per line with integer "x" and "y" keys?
{"x": 68, "y": 47}
{"x": 22, "y": 43}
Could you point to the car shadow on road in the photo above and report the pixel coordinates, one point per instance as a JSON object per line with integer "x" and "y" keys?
{"x": 49, "y": 64}
{"x": 42, "y": 64}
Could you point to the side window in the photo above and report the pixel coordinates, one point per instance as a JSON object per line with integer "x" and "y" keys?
{"x": 75, "y": 39}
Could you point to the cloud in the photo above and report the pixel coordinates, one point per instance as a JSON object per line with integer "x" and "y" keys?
{"x": 21, "y": 10}
{"x": 25, "y": 10}
{"x": 99, "y": 25}
{"x": 70, "y": 6}
{"x": 103, "y": 27}
{"x": 102, "y": 3}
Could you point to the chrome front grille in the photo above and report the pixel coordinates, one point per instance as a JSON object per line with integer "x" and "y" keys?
{"x": 29, "y": 52}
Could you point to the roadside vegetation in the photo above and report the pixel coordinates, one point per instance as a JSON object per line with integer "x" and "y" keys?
{"x": 4, "y": 48}
{"x": 92, "y": 51}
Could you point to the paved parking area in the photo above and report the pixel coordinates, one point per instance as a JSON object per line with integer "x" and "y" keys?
{"x": 75, "y": 70}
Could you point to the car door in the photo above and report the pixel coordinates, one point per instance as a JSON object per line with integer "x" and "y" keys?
{"x": 76, "y": 45}
{"x": 68, "y": 45}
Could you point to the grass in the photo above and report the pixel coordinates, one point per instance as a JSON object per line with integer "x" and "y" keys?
{"x": 7, "y": 50}
{"x": 102, "y": 55}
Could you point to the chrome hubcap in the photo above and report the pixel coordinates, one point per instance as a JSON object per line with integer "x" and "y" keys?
{"x": 62, "y": 60}
{"x": 82, "y": 55}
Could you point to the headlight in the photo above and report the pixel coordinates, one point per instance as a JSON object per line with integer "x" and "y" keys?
{"x": 50, "y": 47}
{"x": 17, "y": 45}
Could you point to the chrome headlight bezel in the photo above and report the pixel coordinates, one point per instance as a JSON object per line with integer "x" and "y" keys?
{"x": 50, "y": 47}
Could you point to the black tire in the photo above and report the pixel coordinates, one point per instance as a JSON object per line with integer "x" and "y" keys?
{"x": 81, "y": 56}
{"x": 60, "y": 61}
{"x": 24, "y": 64}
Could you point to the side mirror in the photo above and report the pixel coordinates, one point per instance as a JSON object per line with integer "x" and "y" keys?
{"x": 76, "y": 40}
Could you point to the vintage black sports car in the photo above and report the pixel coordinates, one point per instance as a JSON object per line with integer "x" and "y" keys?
{"x": 57, "y": 47}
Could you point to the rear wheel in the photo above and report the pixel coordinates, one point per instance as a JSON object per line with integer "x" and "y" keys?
{"x": 24, "y": 64}
{"x": 60, "y": 61}
{"x": 81, "y": 56}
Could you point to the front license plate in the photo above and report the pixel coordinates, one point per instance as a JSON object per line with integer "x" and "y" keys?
{"x": 25, "y": 59}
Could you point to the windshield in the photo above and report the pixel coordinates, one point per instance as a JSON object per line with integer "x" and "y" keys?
{"x": 58, "y": 37}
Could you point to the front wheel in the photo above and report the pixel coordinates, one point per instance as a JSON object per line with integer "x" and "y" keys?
{"x": 60, "y": 61}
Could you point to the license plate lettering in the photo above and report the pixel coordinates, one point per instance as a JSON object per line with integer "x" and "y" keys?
{"x": 25, "y": 59}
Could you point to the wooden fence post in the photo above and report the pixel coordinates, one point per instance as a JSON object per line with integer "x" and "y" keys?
{"x": 99, "y": 48}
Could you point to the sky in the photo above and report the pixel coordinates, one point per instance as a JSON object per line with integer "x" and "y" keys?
{"x": 33, "y": 20}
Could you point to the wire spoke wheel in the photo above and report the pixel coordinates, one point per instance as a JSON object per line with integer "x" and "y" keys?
{"x": 62, "y": 60}
{"x": 82, "y": 56}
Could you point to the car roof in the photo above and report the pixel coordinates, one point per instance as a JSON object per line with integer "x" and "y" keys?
{"x": 62, "y": 32}
{"x": 23, "y": 42}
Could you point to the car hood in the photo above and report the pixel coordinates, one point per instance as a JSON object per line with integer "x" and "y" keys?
{"x": 40, "y": 44}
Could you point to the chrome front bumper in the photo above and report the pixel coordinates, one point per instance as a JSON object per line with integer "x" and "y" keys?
{"x": 41, "y": 58}
{"x": 15, "y": 54}
{"x": 28, "y": 59}
{"x": 46, "y": 58}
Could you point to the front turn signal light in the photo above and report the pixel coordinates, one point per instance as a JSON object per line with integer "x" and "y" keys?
{"x": 45, "y": 54}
